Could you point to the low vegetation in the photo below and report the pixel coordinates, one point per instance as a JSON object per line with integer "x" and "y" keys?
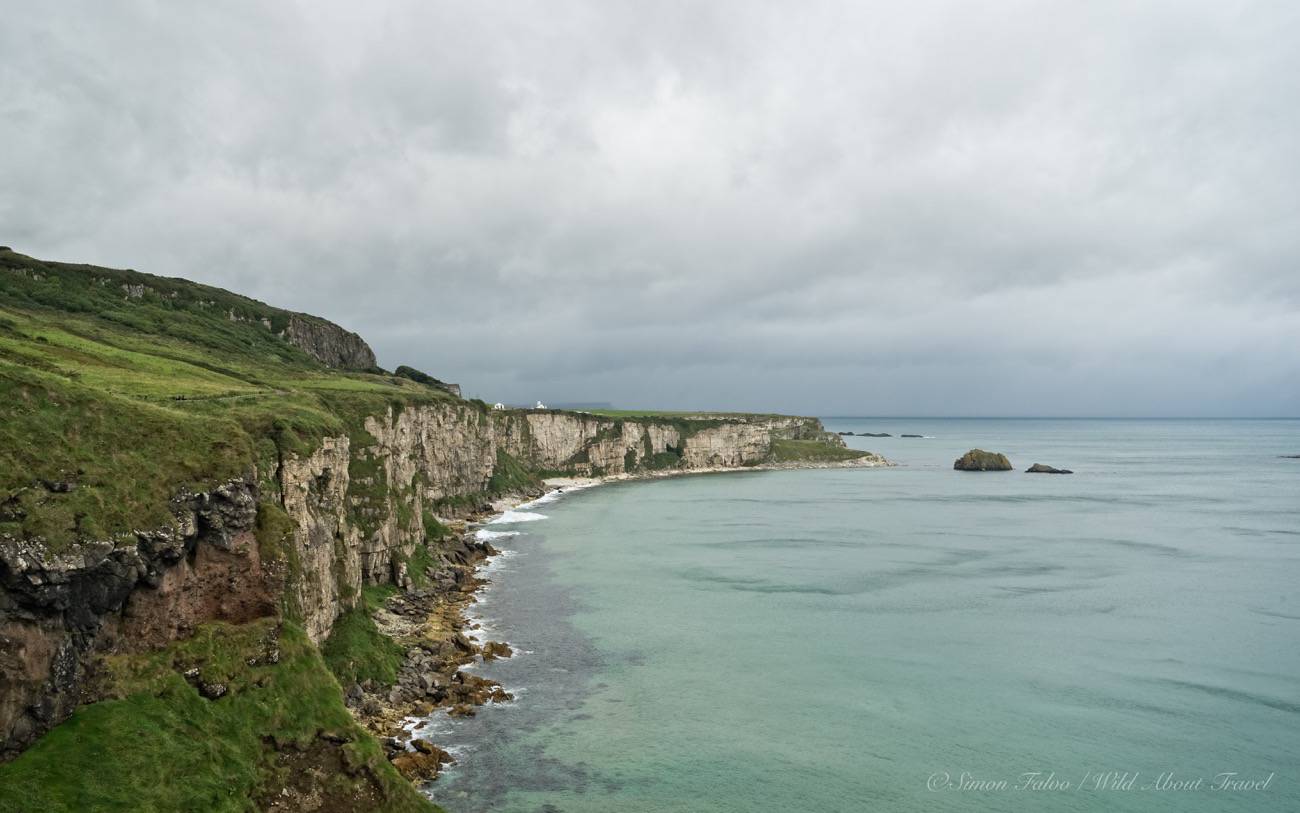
{"x": 669, "y": 413}
{"x": 812, "y": 451}
{"x": 511, "y": 477}
{"x": 356, "y": 650}
{"x": 213, "y": 724}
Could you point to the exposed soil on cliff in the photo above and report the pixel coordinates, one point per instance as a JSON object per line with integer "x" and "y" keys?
{"x": 312, "y": 779}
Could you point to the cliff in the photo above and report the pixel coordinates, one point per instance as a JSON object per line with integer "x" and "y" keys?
{"x": 175, "y": 457}
{"x": 328, "y": 343}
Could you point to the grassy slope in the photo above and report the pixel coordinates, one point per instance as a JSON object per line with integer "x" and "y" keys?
{"x": 131, "y": 398}
{"x": 668, "y": 413}
{"x": 193, "y": 754}
{"x": 811, "y": 451}
{"x": 356, "y": 650}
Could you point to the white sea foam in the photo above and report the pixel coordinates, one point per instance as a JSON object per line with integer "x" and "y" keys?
{"x": 516, "y": 516}
{"x": 552, "y": 496}
{"x": 495, "y": 564}
{"x": 548, "y": 497}
{"x": 484, "y": 535}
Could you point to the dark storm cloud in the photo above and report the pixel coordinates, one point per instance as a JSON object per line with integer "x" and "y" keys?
{"x": 943, "y": 207}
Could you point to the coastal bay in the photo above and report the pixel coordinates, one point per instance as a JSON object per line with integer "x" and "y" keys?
{"x": 807, "y": 640}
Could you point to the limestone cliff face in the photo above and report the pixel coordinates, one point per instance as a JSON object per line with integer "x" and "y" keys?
{"x": 328, "y": 343}
{"x": 356, "y": 506}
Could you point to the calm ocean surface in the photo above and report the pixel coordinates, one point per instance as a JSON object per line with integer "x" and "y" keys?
{"x": 845, "y": 640}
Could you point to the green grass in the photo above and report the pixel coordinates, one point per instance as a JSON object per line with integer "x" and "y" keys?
{"x": 434, "y": 531}
{"x": 356, "y": 650}
{"x": 811, "y": 451}
{"x": 133, "y": 399}
{"x": 416, "y": 565}
{"x": 510, "y": 476}
{"x": 668, "y": 413}
{"x": 188, "y": 753}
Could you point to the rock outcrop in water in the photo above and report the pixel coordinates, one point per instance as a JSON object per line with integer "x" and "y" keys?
{"x": 980, "y": 460}
{"x": 1041, "y": 468}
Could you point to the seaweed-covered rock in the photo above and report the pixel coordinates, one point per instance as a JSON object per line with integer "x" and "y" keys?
{"x": 980, "y": 460}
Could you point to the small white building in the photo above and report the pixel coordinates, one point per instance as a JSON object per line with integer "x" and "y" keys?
{"x": 498, "y": 405}
{"x": 540, "y": 405}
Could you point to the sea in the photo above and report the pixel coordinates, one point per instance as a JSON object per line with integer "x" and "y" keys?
{"x": 913, "y": 638}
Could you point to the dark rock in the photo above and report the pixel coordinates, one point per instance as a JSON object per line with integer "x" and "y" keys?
{"x": 1039, "y": 468}
{"x": 393, "y": 746}
{"x": 212, "y": 691}
{"x": 429, "y": 749}
{"x": 980, "y": 460}
{"x": 1290, "y": 456}
{"x": 876, "y": 435}
{"x": 423, "y": 746}
{"x": 911, "y": 436}
{"x": 417, "y": 766}
{"x": 328, "y": 343}
{"x": 494, "y": 649}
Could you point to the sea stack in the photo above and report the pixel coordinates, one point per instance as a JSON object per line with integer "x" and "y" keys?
{"x": 980, "y": 460}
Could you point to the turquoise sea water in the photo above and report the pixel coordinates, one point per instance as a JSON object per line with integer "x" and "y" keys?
{"x": 911, "y": 638}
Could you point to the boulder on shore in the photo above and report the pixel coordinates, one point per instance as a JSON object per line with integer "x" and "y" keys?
{"x": 1039, "y": 468}
{"x": 980, "y": 460}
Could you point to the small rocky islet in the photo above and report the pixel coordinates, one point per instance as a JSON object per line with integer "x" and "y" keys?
{"x": 980, "y": 460}
{"x": 1042, "y": 468}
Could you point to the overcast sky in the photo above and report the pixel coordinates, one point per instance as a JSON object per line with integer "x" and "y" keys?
{"x": 919, "y": 208}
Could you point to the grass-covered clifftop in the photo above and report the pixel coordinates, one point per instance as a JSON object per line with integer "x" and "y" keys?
{"x": 119, "y": 388}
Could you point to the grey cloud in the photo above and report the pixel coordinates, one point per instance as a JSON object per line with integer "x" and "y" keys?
{"x": 820, "y": 207}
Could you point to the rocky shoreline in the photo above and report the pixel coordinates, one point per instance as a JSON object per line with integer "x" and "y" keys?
{"x": 433, "y": 625}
